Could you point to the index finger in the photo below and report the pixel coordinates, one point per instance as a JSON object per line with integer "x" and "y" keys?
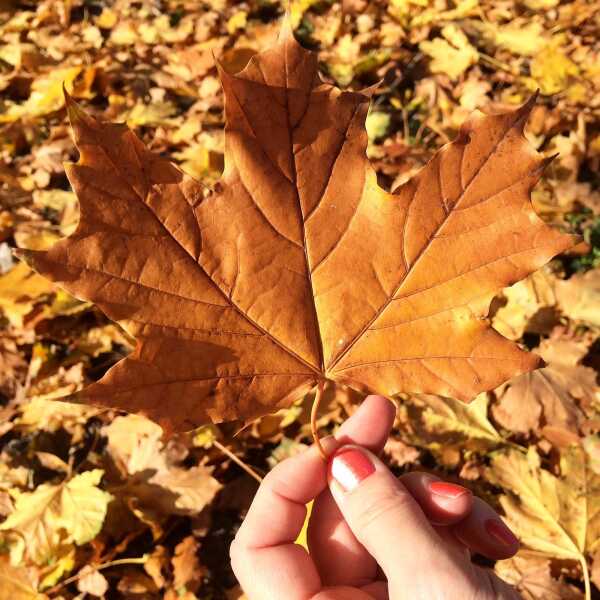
{"x": 264, "y": 557}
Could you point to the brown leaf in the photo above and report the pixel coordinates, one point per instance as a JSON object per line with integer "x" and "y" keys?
{"x": 156, "y": 564}
{"x": 187, "y": 571}
{"x": 299, "y": 268}
{"x": 558, "y": 394}
{"x": 579, "y": 297}
{"x": 18, "y": 583}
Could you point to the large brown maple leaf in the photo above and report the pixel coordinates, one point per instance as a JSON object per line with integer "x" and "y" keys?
{"x": 298, "y": 267}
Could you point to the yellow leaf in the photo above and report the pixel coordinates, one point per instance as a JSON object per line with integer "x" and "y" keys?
{"x": 447, "y": 416}
{"x": 20, "y": 290}
{"x": 124, "y": 34}
{"x": 62, "y": 563}
{"x": 107, "y": 19}
{"x": 56, "y": 514}
{"x": 154, "y": 114}
{"x": 47, "y": 92}
{"x": 452, "y": 54}
{"x": 552, "y": 69}
{"x": 540, "y": 4}
{"x": 519, "y": 38}
{"x": 555, "y": 516}
{"x": 238, "y": 21}
{"x": 52, "y": 415}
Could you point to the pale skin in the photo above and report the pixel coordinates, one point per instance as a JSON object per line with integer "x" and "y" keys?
{"x": 375, "y": 538}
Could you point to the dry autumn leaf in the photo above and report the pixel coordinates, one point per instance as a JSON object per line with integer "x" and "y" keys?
{"x": 531, "y": 575}
{"x": 72, "y": 511}
{"x": 17, "y": 583}
{"x": 557, "y": 517}
{"x": 298, "y": 268}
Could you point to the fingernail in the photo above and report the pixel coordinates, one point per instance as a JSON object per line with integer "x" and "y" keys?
{"x": 447, "y": 490}
{"x": 349, "y": 467}
{"x": 500, "y": 532}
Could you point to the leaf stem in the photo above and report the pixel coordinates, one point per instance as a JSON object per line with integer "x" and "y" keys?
{"x": 237, "y": 461}
{"x": 586, "y": 577}
{"x": 313, "y": 419}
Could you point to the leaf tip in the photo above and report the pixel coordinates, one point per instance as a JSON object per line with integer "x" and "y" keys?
{"x": 525, "y": 109}
{"x": 286, "y": 31}
{"x": 74, "y": 111}
{"x": 24, "y": 255}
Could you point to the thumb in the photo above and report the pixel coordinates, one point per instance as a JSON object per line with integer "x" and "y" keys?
{"x": 384, "y": 516}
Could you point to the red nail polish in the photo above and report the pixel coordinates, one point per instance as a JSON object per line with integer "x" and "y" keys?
{"x": 500, "y": 532}
{"x": 447, "y": 490}
{"x": 349, "y": 467}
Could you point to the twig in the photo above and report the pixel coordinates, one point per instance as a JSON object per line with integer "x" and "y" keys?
{"x": 313, "y": 419}
{"x": 237, "y": 461}
{"x": 113, "y": 563}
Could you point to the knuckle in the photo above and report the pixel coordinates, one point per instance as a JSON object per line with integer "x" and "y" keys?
{"x": 378, "y": 510}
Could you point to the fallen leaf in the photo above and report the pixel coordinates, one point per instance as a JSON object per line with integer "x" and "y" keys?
{"x": 44, "y": 518}
{"x": 552, "y": 70}
{"x": 92, "y": 582}
{"x": 523, "y": 300}
{"x": 523, "y": 38}
{"x": 187, "y": 572}
{"x": 531, "y": 576}
{"x": 451, "y": 54}
{"x": 555, "y": 516}
{"x": 298, "y": 268}
{"x": 49, "y": 415}
{"x": 17, "y": 582}
{"x": 20, "y": 290}
{"x": 445, "y": 418}
{"x": 579, "y": 296}
{"x": 135, "y": 444}
{"x": 47, "y": 92}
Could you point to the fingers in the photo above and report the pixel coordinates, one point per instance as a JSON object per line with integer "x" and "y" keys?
{"x": 339, "y": 557}
{"x": 370, "y": 425}
{"x": 384, "y": 516}
{"x": 278, "y": 511}
{"x": 474, "y": 523}
{"x": 264, "y": 557}
{"x": 443, "y": 503}
{"x": 484, "y": 532}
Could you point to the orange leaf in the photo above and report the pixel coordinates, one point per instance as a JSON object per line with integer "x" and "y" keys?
{"x": 298, "y": 267}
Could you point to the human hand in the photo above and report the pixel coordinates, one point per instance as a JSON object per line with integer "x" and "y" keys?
{"x": 371, "y": 535}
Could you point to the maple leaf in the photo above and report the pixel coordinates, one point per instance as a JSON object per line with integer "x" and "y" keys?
{"x": 557, "y": 517}
{"x": 298, "y": 268}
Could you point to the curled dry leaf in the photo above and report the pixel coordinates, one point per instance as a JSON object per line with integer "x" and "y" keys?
{"x": 298, "y": 268}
